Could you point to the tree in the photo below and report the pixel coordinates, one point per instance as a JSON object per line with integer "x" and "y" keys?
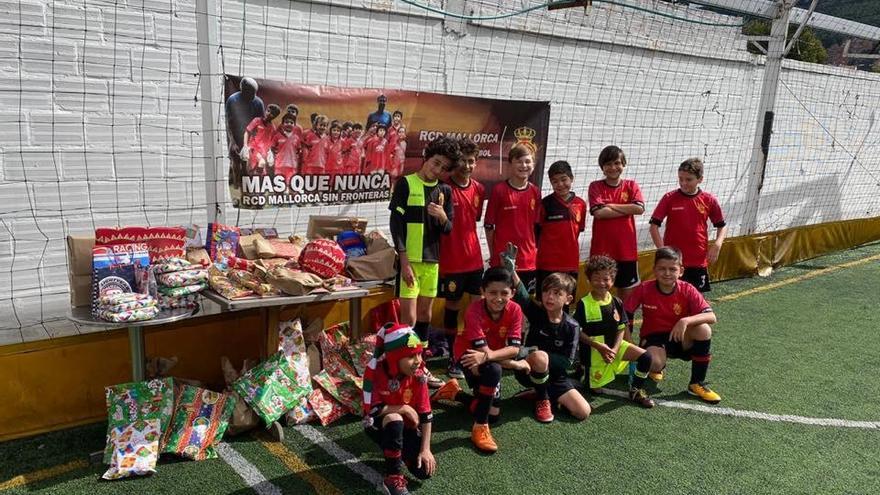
{"x": 807, "y": 48}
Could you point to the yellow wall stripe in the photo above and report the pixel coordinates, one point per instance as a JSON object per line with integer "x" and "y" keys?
{"x": 39, "y": 475}
{"x": 300, "y": 468}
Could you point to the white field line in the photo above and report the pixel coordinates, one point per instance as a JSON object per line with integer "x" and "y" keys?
{"x": 779, "y": 418}
{"x": 248, "y": 472}
{"x": 343, "y": 456}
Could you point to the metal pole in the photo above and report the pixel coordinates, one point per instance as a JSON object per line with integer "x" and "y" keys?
{"x": 764, "y": 127}
{"x": 136, "y": 351}
{"x": 206, "y": 35}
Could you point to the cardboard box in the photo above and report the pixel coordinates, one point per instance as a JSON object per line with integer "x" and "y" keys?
{"x": 327, "y": 226}
{"x": 79, "y": 268}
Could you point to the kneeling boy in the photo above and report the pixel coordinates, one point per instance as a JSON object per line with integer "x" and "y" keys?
{"x": 397, "y": 406}
{"x": 676, "y": 321}
{"x": 604, "y": 351}
{"x": 491, "y": 338}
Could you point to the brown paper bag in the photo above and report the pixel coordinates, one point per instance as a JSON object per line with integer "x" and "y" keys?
{"x": 79, "y": 268}
{"x": 247, "y": 245}
{"x": 243, "y": 417}
{"x": 376, "y": 241}
{"x": 264, "y": 248}
{"x": 380, "y": 265}
{"x": 293, "y": 282}
{"x": 199, "y": 256}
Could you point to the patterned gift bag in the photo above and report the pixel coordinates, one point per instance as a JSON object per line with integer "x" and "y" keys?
{"x": 200, "y": 420}
{"x": 292, "y": 344}
{"x": 347, "y": 389}
{"x": 361, "y": 353}
{"x": 271, "y": 388}
{"x": 135, "y": 449}
{"x": 128, "y": 403}
{"x": 325, "y": 406}
{"x": 335, "y": 357}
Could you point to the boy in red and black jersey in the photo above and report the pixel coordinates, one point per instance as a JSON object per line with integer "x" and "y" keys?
{"x": 676, "y": 322}
{"x": 491, "y": 339}
{"x": 461, "y": 259}
{"x": 512, "y": 214}
{"x": 614, "y": 202}
{"x": 687, "y": 209}
{"x": 562, "y": 219}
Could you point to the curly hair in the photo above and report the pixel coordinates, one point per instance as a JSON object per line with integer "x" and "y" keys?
{"x": 600, "y": 263}
{"x": 444, "y": 146}
{"x": 467, "y": 146}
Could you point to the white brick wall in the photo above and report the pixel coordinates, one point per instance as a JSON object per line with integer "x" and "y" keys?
{"x": 100, "y": 123}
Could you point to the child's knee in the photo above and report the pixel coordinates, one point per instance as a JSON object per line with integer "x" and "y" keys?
{"x": 700, "y": 332}
{"x": 390, "y": 418}
{"x": 538, "y": 361}
{"x": 582, "y": 410}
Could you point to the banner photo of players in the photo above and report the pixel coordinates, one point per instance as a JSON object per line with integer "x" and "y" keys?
{"x": 298, "y": 145}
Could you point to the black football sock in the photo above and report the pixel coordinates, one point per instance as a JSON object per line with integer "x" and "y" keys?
{"x": 450, "y": 321}
{"x": 490, "y": 376}
{"x": 700, "y": 357}
{"x": 643, "y": 367}
{"x": 392, "y": 446}
{"x": 422, "y": 328}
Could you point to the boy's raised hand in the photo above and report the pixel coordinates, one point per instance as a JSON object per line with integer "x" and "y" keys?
{"x": 508, "y": 256}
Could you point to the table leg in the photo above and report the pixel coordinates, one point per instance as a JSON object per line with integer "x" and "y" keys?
{"x": 136, "y": 351}
{"x": 354, "y": 317}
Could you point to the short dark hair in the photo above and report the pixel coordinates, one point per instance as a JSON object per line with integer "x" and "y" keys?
{"x": 397, "y": 112}
{"x": 292, "y": 108}
{"x": 468, "y": 147}
{"x": 561, "y": 281}
{"x": 335, "y": 125}
{"x": 520, "y": 150}
{"x": 667, "y": 253}
{"x": 692, "y": 166}
{"x": 312, "y": 117}
{"x": 357, "y": 125}
{"x": 600, "y": 263}
{"x": 288, "y": 117}
{"x": 609, "y": 154}
{"x": 347, "y": 125}
{"x": 273, "y": 109}
{"x": 444, "y": 146}
{"x": 497, "y": 274}
{"x": 560, "y": 167}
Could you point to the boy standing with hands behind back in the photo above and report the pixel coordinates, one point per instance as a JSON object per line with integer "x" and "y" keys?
{"x": 512, "y": 213}
{"x": 687, "y": 209}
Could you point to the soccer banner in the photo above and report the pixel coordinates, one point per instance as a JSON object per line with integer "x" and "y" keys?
{"x": 291, "y": 144}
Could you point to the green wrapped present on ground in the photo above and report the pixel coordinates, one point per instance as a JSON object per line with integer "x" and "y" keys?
{"x": 271, "y": 388}
{"x": 129, "y": 403}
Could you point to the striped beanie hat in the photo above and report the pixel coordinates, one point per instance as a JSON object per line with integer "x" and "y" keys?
{"x": 393, "y": 342}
